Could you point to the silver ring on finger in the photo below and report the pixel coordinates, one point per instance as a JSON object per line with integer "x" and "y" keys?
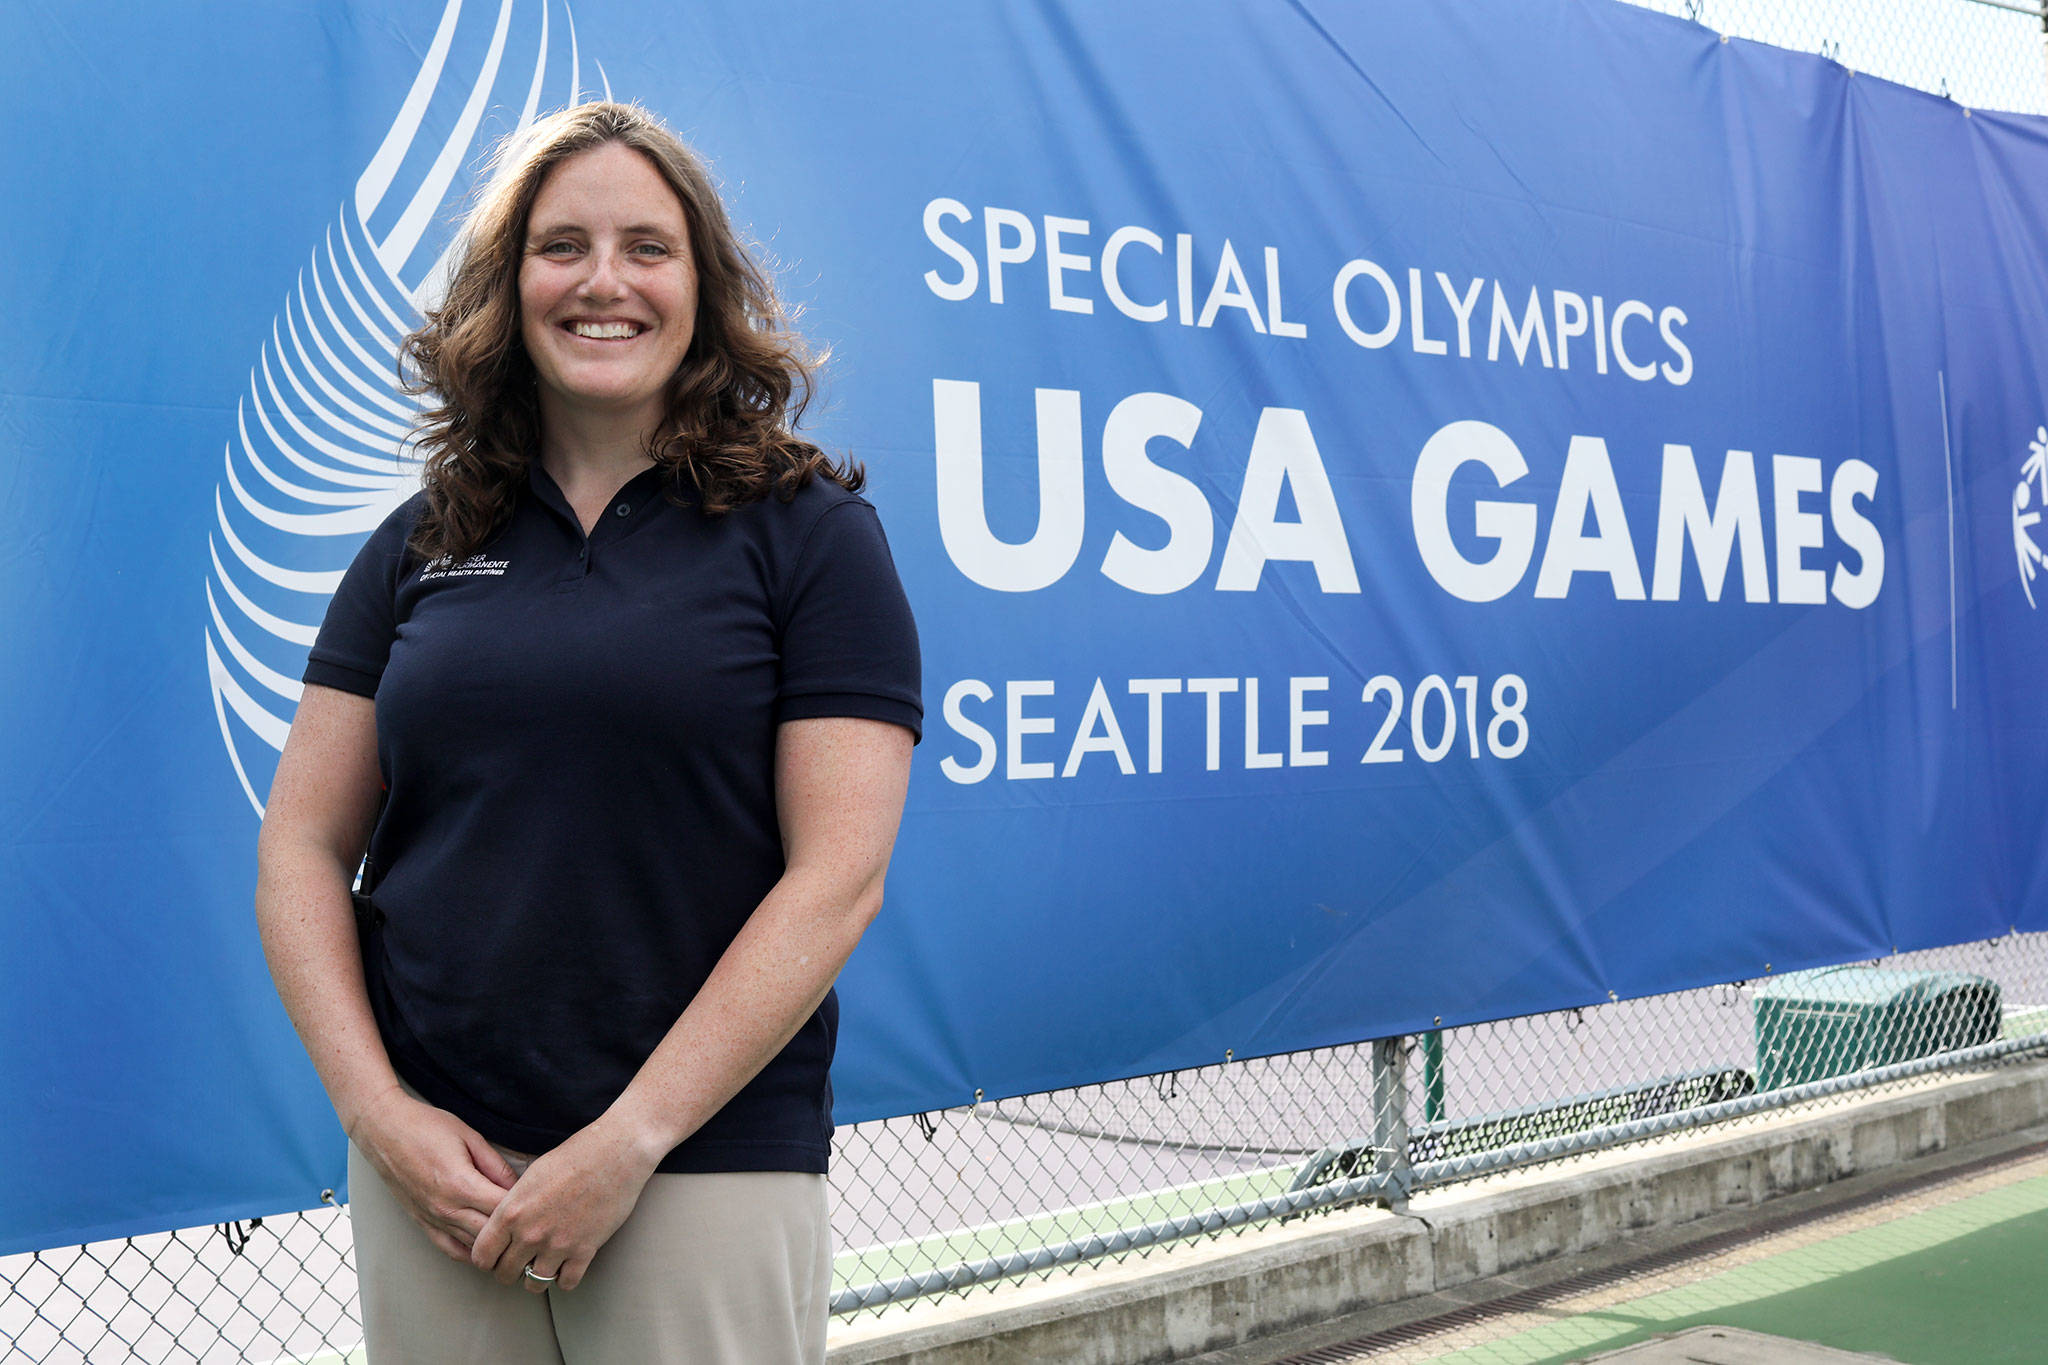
{"x": 539, "y": 1279}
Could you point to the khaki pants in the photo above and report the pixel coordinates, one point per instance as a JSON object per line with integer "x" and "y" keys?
{"x": 720, "y": 1269}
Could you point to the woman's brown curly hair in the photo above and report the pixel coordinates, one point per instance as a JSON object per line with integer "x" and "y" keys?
{"x": 742, "y": 385}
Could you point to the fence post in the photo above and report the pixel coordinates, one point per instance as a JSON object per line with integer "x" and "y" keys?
{"x": 1433, "y": 1076}
{"x": 1390, "y": 1118}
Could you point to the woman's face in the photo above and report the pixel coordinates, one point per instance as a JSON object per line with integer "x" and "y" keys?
{"x": 607, "y": 287}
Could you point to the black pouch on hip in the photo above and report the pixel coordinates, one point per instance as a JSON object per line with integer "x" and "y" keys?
{"x": 368, "y": 917}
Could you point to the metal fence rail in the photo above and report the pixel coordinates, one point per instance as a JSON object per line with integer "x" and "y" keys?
{"x": 1034, "y": 1185}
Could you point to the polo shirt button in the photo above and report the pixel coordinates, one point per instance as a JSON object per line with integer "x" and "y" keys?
{"x": 623, "y": 509}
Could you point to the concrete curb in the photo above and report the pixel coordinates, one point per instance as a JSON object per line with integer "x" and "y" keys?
{"x": 1221, "y": 1293}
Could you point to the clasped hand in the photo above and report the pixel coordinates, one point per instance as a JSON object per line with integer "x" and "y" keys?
{"x": 441, "y": 1171}
{"x": 564, "y": 1207}
{"x": 466, "y": 1198}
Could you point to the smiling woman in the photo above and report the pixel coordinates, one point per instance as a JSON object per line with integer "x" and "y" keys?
{"x": 607, "y": 291}
{"x": 737, "y": 378}
{"x": 621, "y": 705}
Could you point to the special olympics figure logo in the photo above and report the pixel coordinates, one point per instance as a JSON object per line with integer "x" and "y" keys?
{"x": 314, "y": 463}
{"x": 2029, "y": 496}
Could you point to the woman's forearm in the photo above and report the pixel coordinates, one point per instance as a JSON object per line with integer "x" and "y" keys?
{"x": 323, "y": 801}
{"x": 443, "y": 1173}
{"x": 767, "y": 983}
{"x": 840, "y": 785}
{"x": 573, "y": 1197}
{"x": 307, "y": 923}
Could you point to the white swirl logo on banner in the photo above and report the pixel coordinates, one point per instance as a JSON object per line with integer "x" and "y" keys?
{"x": 2029, "y": 496}
{"x": 318, "y": 458}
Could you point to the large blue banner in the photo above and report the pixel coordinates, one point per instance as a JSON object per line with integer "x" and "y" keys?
{"x": 1417, "y": 514}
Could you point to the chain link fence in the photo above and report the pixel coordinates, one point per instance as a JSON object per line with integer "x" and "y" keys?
{"x": 967, "y": 1199}
{"x": 1985, "y": 54}
{"x": 963, "y": 1200}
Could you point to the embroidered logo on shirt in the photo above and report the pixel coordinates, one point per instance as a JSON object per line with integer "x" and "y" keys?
{"x": 476, "y": 566}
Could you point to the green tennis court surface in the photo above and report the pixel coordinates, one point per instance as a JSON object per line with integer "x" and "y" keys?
{"x": 1964, "y": 1283}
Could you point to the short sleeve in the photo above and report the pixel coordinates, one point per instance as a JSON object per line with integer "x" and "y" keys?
{"x": 355, "y": 639}
{"x": 849, "y": 645}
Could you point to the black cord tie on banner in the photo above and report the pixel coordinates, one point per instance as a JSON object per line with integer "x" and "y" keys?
{"x": 237, "y": 1236}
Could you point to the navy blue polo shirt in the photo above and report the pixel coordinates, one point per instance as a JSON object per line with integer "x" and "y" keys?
{"x": 578, "y": 737}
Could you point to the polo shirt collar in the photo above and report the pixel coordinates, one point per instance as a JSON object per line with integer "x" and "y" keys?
{"x": 635, "y": 496}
